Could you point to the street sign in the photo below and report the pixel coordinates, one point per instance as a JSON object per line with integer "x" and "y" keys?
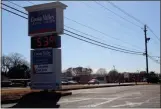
{"x": 47, "y": 41}
{"x": 46, "y": 68}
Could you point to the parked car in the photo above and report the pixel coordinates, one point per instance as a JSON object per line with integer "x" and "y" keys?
{"x": 64, "y": 82}
{"x": 72, "y": 82}
{"x": 93, "y": 81}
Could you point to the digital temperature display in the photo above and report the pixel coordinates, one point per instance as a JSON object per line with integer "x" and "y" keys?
{"x": 49, "y": 41}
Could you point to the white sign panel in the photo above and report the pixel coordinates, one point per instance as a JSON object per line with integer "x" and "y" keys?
{"x": 43, "y": 68}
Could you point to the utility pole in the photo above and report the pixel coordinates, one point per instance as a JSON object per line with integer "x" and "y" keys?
{"x": 114, "y": 67}
{"x": 146, "y": 50}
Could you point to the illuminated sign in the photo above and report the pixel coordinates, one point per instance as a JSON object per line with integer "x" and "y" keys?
{"x": 52, "y": 41}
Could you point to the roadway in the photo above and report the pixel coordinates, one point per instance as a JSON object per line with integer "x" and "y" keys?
{"x": 141, "y": 96}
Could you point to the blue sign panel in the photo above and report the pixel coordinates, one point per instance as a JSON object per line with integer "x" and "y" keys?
{"x": 42, "y": 21}
{"x": 42, "y": 57}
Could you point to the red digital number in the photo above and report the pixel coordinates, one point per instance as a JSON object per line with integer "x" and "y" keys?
{"x": 51, "y": 39}
{"x": 46, "y": 42}
{"x": 38, "y": 42}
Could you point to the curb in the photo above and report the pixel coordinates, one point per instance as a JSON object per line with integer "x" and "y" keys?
{"x": 16, "y": 100}
{"x": 97, "y": 87}
{"x": 147, "y": 84}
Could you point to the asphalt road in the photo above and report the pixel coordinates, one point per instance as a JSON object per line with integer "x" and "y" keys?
{"x": 141, "y": 96}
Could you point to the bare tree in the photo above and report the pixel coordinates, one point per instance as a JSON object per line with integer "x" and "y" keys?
{"x": 69, "y": 72}
{"x": 6, "y": 64}
{"x": 113, "y": 75}
{"x": 80, "y": 70}
{"x": 14, "y": 61}
{"x": 101, "y": 71}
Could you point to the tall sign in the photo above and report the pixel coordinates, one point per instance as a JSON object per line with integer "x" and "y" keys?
{"x": 45, "y": 25}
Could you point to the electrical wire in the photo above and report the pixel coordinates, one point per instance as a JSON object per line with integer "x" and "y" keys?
{"x": 13, "y": 13}
{"x": 114, "y": 5}
{"x": 102, "y": 32}
{"x": 117, "y": 14}
{"x": 84, "y": 33}
{"x": 79, "y": 38}
{"x": 99, "y": 45}
{"x": 155, "y": 56}
{"x": 94, "y": 36}
{"x": 122, "y": 25}
{"x": 14, "y": 4}
{"x": 132, "y": 17}
{"x": 31, "y": 2}
{"x": 102, "y": 43}
{"x": 153, "y": 33}
{"x": 156, "y": 61}
{"x": 14, "y": 8}
{"x": 97, "y": 31}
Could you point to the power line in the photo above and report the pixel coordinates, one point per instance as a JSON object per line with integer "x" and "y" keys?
{"x": 98, "y": 44}
{"x": 95, "y": 30}
{"x": 129, "y": 52}
{"x": 101, "y": 32}
{"x": 14, "y": 13}
{"x": 132, "y": 17}
{"x": 156, "y": 61}
{"x": 82, "y": 39}
{"x": 111, "y": 19}
{"x": 14, "y": 3}
{"x": 117, "y": 14}
{"x": 156, "y": 44}
{"x": 122, "y": 25}
{"x": 101, "y": 42}
{"x": 31, "y": 2}
{"x": 153, "y": 33}
{"x": 14, "y": 8}
{"x": 92, "y": 36}
{"x": 84, "y": 33}
{"x": 156, "y": 56}
{"x": 114, "y": 5}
